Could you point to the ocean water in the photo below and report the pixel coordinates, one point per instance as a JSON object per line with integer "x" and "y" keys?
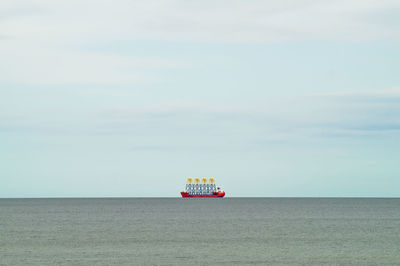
{"x": 176, "y": 231}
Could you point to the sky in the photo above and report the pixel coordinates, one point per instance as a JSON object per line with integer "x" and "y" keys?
{"x": 294, "y": 98}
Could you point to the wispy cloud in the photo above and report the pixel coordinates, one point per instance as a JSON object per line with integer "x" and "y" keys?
{"x": 302, "y": 117}
{"x": 351, "y": 115}
{"x": 392, "y": 93}
{"x": 55, "y": 67}
{"x": 38, "y": 36}
{"x": 362, "y": 112}
{"x": 260, "y": 21}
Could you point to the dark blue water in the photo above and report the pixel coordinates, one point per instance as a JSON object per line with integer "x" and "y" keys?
{"x": 229, "y": 231}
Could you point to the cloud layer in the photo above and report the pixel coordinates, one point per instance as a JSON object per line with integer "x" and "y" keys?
{"x": 293, "y": 96}
{"x": 244, "y": 21}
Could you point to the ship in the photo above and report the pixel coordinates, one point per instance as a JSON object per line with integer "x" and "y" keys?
{"x": 202, "y": 189}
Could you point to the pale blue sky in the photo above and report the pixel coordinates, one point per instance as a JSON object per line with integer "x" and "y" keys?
{"x": 129, "y": 98}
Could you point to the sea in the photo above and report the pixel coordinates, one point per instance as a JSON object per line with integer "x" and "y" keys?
{"x": 195, "y": 231}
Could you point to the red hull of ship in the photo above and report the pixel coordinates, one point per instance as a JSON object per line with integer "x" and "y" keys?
{"x": 216, "y": 195}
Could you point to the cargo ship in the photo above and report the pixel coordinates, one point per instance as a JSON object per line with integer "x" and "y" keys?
{"x": 202, "y": 189}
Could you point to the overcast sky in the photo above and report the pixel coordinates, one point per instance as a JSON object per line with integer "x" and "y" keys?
{"x": 129, "y": 98}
